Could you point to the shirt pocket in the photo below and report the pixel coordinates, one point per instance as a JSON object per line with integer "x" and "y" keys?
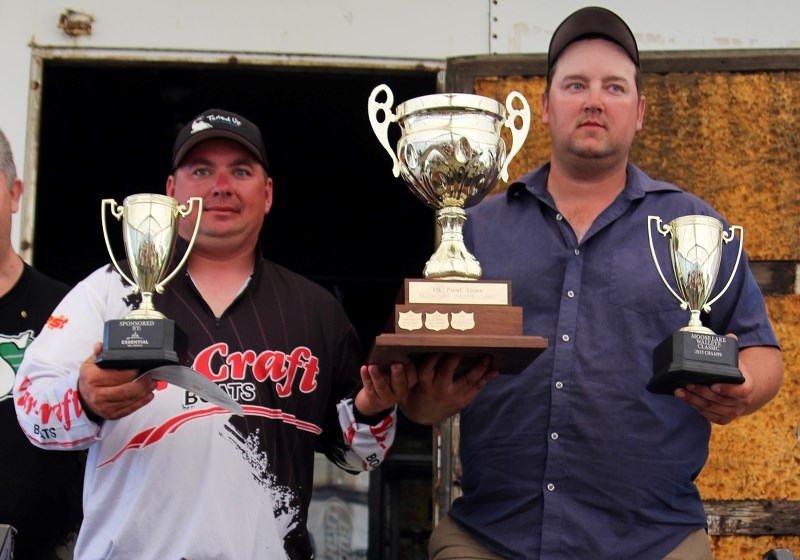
{"x": 636, "y": 284}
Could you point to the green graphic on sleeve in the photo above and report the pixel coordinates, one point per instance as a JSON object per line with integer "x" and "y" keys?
{"x": 12, "y": 349}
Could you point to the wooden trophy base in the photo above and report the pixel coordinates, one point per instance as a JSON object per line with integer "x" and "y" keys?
{"x": 470, "y": 318}
{"x": 685, "y": 357}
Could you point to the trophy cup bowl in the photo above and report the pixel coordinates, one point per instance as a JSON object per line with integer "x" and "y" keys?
{"x": 450, "y": 154}
{"x": 145, "y": 338}
{"x": 695, "y": 353}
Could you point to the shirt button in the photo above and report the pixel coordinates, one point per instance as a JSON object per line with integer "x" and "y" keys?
{"x": 551, "y": 486}
{"x": 577, "y": 251}
{"x": 565, "y": 337}
{"x": 570, "y": 294}
{"x": 554, "y": 436}
{"x": 559, "y": 217}
{"x": 559, "y": 385}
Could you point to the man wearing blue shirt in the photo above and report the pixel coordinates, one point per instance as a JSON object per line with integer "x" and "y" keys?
{"x": 574, "y": 458}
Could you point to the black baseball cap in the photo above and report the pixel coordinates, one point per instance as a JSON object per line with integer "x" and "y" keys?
{"x": 218, "y": 123}
{"x": 592, "y": 21}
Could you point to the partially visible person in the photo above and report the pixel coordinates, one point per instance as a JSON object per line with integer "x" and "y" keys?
{"x": 573, "y": 458}
{"x": 170, "y": 476}
{"x": 40, "y": 492}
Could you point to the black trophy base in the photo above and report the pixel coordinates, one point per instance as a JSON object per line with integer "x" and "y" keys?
{"x": 142, "y": 344}
{"x": 688, "y": 357}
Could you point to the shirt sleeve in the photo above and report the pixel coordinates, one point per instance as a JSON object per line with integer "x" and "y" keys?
{"x": 351, "y": 441}
{"x": 46, "y": 396}
{"x": 368, "y": 444}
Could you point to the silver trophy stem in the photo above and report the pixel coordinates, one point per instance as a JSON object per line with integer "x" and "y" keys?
{"x": 695, "y": 324}
{"x": 146, "y": 309}
{"x": 452, "y": 260}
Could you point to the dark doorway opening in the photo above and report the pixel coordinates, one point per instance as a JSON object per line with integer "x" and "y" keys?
{"x": 339, "y": 216}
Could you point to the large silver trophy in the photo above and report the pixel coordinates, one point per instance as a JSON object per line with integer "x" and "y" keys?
{"x": 145, "y": 338}
{"x": 451, "y": 154}
{"x": 695, "y": 353}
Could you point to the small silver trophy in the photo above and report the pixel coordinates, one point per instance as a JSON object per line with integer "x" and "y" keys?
{"x": 450, "y": 154}
{"x": 145, "y": 338}
{"x": 695, "y": 353}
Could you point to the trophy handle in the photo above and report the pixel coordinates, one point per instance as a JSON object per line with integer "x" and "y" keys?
{"x": 518, "y": 135}
{"x": 116, "y": 211}
{"x": 727, "y": 237}
{"x": 381, "y": 129}
{"x": 663, "y": 230}
{"x": 184, "y": 211}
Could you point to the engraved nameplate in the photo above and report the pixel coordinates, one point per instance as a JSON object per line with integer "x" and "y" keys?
{"x": 471, "y": 293}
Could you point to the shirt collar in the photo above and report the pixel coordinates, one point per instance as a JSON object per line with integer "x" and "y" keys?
{"x": 637, "y": 184}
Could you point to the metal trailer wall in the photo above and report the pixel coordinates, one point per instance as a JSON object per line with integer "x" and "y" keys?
{"x": 346, "y": 31}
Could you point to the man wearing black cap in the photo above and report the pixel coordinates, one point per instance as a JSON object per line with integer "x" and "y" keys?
{"x": 574, "y": 458}
{"x": 170, "y": 476}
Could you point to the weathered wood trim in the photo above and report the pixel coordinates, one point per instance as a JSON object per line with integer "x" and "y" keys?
{"x": 753, "y": 517}
{"x": 461, "y": 72}
{"x": 776, "y": 277}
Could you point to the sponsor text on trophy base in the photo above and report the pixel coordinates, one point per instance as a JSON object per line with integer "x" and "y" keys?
{"x": 691, "y": 357}
{"x": 143, "y": 344}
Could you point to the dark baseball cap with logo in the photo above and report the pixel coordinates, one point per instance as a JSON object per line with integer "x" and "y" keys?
{"x": 590, "y": 22}
{"x": 218, "y": 123}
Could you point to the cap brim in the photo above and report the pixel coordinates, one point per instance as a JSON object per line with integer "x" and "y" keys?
{"x": 209, "y": 134}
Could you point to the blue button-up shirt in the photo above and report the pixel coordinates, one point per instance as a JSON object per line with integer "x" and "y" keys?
{"x": 573, "y": 458}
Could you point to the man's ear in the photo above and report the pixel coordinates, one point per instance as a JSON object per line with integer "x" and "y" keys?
{"x": 16, "y": 194}
{"x": 268, "y": 195}
{"x": 545, "y": 103}
{"x": 640, "y": 112}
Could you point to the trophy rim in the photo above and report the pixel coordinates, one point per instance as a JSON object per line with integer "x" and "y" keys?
{"x": 445, "y": 101}
{"x": 697, "y": 219}
{"x": 151, "y": 197}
